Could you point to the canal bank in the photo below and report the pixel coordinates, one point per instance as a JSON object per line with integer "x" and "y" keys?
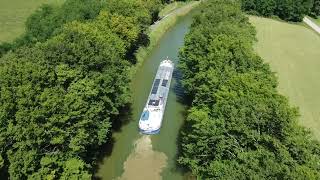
{"x": 159, "y": 28}
{"x": 138, "y": 156}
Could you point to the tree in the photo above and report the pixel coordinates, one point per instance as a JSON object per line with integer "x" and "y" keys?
{"x": 49, "y": 19}
{"x": 289, "y": 10}
{"x": 238, "y": 126}
{"x": 59, "y": 97}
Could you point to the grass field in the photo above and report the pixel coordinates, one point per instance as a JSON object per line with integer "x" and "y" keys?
{"x": 13, "y": 14}
{"x": 293, "y": 52}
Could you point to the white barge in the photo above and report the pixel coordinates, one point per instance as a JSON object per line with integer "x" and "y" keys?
{"x": 152, "y": 115}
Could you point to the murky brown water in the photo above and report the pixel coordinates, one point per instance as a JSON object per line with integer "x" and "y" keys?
{"x": 136, "y": 156}
{"x": 145, "y": 160}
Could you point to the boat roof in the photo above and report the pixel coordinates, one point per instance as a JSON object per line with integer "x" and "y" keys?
{"x": 159, "y": 87}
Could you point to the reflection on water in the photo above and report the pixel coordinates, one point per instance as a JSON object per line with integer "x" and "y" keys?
{"x": 144, "y": 162}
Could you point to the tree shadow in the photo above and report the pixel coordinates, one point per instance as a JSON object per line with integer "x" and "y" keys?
{"x": 142, "y": 41}
{"x": 4, "y": 172}
{"x": 178, "y": 89}
{"x": 186, "y": 100}
{"x": 124, "y": 117}
{"x": 105, "y": 150}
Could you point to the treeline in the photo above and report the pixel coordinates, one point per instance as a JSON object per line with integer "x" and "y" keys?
{"x": 59, "y": 97}
{"x": 289, "y": 10}
{"x": 49, "y": 20}
{"x": 315, "y": 10}
{"x": 238, "y": 126}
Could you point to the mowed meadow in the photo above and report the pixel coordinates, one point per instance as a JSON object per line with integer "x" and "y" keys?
{"x": 14, "y": 13}
{"x": 293, "y": 52}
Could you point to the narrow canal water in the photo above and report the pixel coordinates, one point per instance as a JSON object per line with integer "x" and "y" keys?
{"x": 136, "y": 156}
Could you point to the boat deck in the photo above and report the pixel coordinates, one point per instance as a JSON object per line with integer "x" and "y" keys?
{"x": 160, "y": 86}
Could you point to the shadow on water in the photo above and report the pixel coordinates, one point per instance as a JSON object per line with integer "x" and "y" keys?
{"x": 183, "y": 98}
{"x": 185, "y": 128}
{"x": 186, "y": 100}
{"x": 106, "y": 149}
{"x": 178, "y": 89}
{"x": 124, "y": 117}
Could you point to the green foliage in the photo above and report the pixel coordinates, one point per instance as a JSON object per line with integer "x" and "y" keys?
{"x": 289, "y": 10}
{"x": 43, "y": 24}
{"x": 315, "y": 10}
{"x": 238, "y": 126}
{"x": 145, "y": 11}
{"x": 59, "y": 98}
{"x": 48, "y": 21}
{"x": 4, "y": 48}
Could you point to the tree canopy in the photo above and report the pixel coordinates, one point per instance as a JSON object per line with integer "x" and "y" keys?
{"x": 238, "y": 125}
{"x": 315, "y": 10}
{"x": 60, "y": 96}
{"x": 289, "y": 10}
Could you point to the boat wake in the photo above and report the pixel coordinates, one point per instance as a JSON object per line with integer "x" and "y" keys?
{"x": 144, "y": 162}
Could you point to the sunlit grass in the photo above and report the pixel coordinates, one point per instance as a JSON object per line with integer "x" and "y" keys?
{"x": 14, "y": 13}
{"x": 293, "y": 53}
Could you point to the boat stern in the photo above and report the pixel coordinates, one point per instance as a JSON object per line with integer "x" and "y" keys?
{"x": 149, "y": 122}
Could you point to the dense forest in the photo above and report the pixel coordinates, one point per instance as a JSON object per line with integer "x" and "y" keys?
{"x": 238, "y": 125}
{"x": 64, "y": 84}
{"x": 289, "y": 10}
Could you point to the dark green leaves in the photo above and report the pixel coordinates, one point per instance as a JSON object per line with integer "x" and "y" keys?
{"x": 238, "y": 126}
{"x": 289, "y": 10}
{"x": 59, "y": 97}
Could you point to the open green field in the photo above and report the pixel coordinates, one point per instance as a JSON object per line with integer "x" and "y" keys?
{"x": 293, "y": 52}
{"x": 14, "y": 13}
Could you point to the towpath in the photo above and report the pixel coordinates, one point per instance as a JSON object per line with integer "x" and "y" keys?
{"x": 179, "y": 11}
{"x": 311, "y": 24}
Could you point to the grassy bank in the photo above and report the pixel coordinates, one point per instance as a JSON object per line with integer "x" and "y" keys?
{"x": 157, "y": 30}
{"x": 13, "y": 15}
{"x": 171, "y": 7}
{"x": 293, "y": 53}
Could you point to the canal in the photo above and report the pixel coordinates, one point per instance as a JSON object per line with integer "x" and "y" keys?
{"x": 135, "y": 156}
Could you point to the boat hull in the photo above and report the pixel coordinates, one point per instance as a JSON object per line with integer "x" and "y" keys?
{"x": 149, "y": 132}
{"x": 152, "y": 115}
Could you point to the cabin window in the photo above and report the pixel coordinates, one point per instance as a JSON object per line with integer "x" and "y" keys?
{"x": 145, "y": 115}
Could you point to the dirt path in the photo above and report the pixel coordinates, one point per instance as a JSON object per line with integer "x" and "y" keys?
{"x": 311, "y": 24}
{"x": 179, "y": 12}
